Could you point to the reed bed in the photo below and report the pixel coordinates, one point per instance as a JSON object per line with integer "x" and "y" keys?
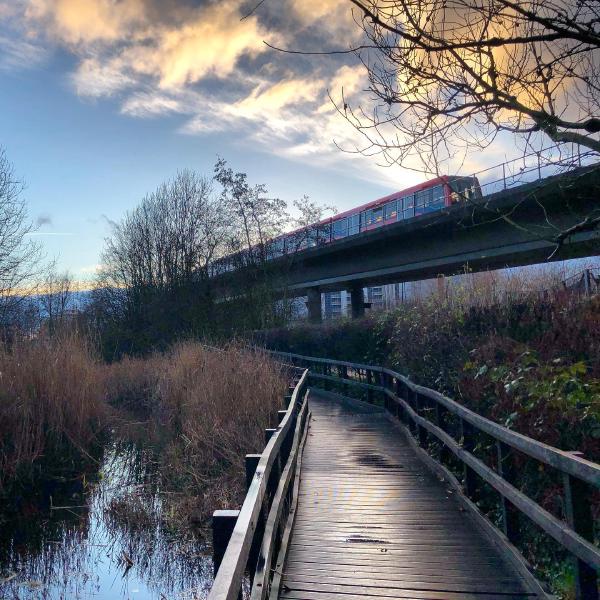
{"x": 211, "y": 408}
{"x": 201, "y": 411}
{"x": 51, "y": 400}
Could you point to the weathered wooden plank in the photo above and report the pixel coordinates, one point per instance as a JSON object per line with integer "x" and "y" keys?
{"x": 372, "y": 521}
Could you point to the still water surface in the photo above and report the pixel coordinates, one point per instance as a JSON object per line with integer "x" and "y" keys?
{"x": 103, "y": 540}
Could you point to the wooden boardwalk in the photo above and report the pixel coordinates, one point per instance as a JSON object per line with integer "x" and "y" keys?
{"x": 373, "y": 522}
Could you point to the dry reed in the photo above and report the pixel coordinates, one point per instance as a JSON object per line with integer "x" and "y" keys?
{"x": 51, "y": 398}
{"x": 209, "y": 408}
{"x": 213, "y": 406}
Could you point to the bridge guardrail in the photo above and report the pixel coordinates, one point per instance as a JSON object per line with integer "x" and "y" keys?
{"x": 425, "y": 413}
{"x": 253, "y": 545}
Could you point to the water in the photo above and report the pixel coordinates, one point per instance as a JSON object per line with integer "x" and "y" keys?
{"x": 101, "y": 539}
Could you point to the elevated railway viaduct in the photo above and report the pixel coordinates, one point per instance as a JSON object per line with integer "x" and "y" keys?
{"x": 517, "y": 226}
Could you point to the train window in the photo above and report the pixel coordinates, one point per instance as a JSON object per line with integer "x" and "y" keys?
{"x": 436, "y": 200}
{"x": 366, "y": 218}
{"x": 422, "y": 201}
{"x": 391, "y": 210}
{"x": 408, "y": 207}
{"x": 377, "y": 214}
{"x": 354, "y": 224}
{"x": 438, "y": 194}
{"x": 423, "y": 198}
{"x": 340, "y": 228}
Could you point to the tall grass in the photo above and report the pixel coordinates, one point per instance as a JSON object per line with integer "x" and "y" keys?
{"x": 212, "y": 407}
{"x": 206, "y": 409}
{"x": 51, "y": 400}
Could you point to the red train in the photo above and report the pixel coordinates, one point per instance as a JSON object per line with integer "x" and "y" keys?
{"x": 412, "y": 202}
{"x": 433, "y": 195}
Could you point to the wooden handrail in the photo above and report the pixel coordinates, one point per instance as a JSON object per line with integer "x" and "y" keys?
{"x": 257, "y": 504}
{"x": 576, "y": 535}
{"x": 559, "y": 459}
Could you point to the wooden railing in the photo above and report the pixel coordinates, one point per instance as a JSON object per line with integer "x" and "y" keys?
{"x": 447, "y": 428}
{"x": 246, "y": 543}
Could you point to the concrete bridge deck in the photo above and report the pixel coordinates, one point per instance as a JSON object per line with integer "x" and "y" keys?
{"x": 373, "y": 522}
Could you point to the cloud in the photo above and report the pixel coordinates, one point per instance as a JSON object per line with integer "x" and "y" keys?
{"x": 148, "y": 104}
{"x": 96, "y": 78}
{"x": 17, "y": 54}
{"x": 78, "y": 21}
{"x": 202, "y": 61}
{"x": 210, "y": 44}
{"x": 50, "y": 233}
{"x": 119, "y": 43}
{"x": 43, "y": 219}
{"x": 90, "y": 269}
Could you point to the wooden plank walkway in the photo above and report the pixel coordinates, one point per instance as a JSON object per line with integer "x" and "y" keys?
{"x": 373, "y": 522}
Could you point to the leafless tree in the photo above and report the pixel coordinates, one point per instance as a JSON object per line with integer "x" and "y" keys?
{"x": 253, "y": 217}
{"x": 169, "y": 239}
{"x": 19, "y": 255}
{"x": 57, "y": 297}
{"x": 447, "y": 76}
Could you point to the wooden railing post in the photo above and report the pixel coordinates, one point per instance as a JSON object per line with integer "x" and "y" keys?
{"x": 268, "y": 434}
{"x": 397, "y": 391}
{"x": 382, "y": 383}
{"x": 440, "y": 420}
{"x": 579, "y": 517}
{"x": 343, "y": 373}
{"x": 411, "y": 398}
{"x": 421, "y": 431}
{"x": 223, "y": 522}
{"x": 251, "y": 464}
{"x": 468, "y": 444}
{"x": 370, "y": 382}
{"x": 506, "y": 470}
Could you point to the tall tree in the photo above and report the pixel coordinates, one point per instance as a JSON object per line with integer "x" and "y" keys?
{"x": 57, "y": 298}
{"x": 254, "y": 217}
{"x": 20, "y": 256}
{"x": 448, "y": 75}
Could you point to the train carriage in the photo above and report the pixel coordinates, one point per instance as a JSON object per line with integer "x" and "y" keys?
{"x": 431, "y": 196}
{"x": 418, "y": 200}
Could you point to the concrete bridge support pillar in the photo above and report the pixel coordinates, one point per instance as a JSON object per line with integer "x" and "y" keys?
{"x": 357, "y": 301}
{"x": 313, "y": 304}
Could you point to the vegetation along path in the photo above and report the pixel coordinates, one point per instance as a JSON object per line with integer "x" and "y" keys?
{"x": 372, "y": 521}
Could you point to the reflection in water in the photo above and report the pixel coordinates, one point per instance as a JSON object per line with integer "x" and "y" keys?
{"x": 103, "y": 539}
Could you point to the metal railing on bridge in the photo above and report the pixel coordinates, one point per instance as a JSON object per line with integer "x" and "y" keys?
{"x": 533, "y": 166}
{"x": 428, "y": 416}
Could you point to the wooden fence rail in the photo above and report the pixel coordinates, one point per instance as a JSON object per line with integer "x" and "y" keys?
{"x": 246, "y": 543}
{"x": 426, "y": 413}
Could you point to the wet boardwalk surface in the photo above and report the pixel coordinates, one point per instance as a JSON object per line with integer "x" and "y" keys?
{"x": 373, "y": 522}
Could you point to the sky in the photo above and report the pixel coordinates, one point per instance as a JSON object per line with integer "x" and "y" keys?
{"x": 102, "y": 100}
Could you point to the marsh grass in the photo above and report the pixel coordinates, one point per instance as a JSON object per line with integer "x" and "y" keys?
{"x": 201, "y": 410}
{"x": 209, "y": 408}
{"x": 51, "y": 402}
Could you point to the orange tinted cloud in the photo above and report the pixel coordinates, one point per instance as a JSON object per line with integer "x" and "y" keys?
{"x": 210, "y": 44}
{"x": 182, "y": 48}
{"x": 77, "y": 21}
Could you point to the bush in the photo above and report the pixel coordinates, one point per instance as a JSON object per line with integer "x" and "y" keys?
{"x": 551, "y": 347}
